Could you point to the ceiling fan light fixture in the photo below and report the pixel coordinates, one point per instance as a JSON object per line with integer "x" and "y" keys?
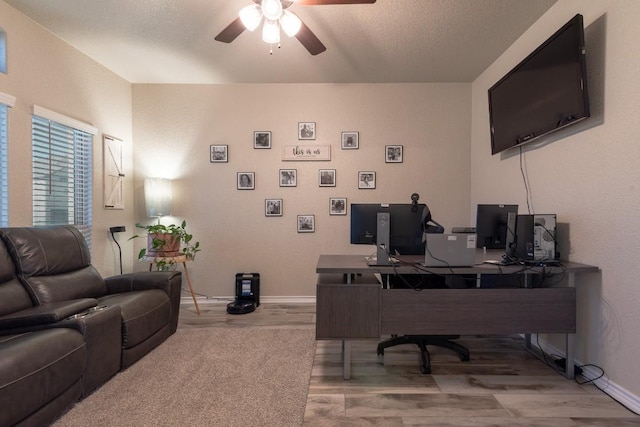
{"x": 272, "y": 9}
{"x": 271, "y": 32}
{"x": 290, "y": 23}
{"x": 251, "y": 16}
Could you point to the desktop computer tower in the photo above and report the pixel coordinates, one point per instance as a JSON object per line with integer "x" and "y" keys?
{"x": 535, "y": 237}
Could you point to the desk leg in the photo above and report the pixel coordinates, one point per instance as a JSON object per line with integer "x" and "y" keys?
{"x": 570, "y": 339}
{"x": 346, "y": 359}
{"x": 193, "y": 295}
{"x": 570, "y": 365}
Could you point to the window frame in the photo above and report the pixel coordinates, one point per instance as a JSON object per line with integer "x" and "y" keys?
{"x": 62, "y": 162}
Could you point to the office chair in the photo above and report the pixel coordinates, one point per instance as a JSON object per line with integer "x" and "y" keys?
{"x": 422, "y": 341}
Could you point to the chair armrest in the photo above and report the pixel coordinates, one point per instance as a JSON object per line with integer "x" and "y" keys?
{"x": 45, "y": 314}
{"x": 168, "y": 281}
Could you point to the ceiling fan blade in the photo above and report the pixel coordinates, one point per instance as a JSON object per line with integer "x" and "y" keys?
{"x": 309, "y": 40}
{"x": 323, "y": 2}
{"x": 232, "y": 31}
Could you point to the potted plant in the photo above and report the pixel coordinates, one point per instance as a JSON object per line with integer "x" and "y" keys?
{"x": 164, "y": 242}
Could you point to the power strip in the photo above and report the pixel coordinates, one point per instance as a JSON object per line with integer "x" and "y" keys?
{"x": 562, "y": 364}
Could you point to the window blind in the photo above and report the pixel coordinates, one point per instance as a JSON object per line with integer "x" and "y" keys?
{"x": 3, "y": 51}
{"x": 62, "y": 175}
{"x": 4, "y": 189}
{"x": 6, "y": 101}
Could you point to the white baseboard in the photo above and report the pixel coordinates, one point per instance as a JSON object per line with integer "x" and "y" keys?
{"x": 263, "y": 299}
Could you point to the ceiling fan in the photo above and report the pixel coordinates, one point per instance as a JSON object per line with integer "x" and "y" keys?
{"x": 276, "y": 17}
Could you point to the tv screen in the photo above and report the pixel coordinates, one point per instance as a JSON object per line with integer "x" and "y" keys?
{"x": 545, "y": 92}
{"x": 491, "y": 225}
{"x": 405, "y": 226}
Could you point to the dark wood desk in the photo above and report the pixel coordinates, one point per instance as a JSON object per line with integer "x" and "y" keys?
{"x": 352, "y": 304}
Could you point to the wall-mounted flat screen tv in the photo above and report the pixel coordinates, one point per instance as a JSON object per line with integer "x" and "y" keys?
{"x": 545, "y": 92}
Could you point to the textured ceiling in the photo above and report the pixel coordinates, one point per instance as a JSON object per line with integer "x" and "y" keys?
{"x": 391, "y": 41}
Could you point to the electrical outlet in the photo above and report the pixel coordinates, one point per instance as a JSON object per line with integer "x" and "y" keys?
{"x": 117, "y": 229}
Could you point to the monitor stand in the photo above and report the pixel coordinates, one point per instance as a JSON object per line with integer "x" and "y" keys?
{"x": 382, "y": 237}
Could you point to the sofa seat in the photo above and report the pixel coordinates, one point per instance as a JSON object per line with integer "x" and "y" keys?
{"x": 145, "y": 314}
{"x": 46, "y": 366}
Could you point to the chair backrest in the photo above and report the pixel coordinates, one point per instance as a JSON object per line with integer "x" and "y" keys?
{"x": 54, "y": 263}
{"x": 13, "y": 296}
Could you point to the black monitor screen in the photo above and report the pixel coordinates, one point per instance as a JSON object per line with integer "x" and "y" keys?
{"x": 405, "y": 228}
{"x": 491, "y": 225}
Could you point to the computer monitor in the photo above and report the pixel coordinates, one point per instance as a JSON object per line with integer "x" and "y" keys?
{"x": 406, "y": 226}
{"x": 491, "y": 225}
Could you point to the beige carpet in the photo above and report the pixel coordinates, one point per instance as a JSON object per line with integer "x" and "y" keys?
{"x": 208, "y": 377}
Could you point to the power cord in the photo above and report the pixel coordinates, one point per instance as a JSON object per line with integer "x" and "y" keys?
{"x": 525, "y": 179}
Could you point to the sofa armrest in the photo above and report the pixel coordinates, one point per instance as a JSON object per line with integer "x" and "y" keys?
{"x": 169, "y": 281}
{"x": 45, "y": 314}
{"x": 139, "y": 281}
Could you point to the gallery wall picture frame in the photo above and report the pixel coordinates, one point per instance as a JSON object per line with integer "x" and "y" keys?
{"x": 262, "y": 139}
{"x": 350, "y": 140}
{"x": 393, "y": 153}
{"x": 338, "y": 206}
{"x": 273, "y": 207}
{"x": 306, "y": 223}
{"x": 288, "y": 177}
{"x": 219, "y": 153}
{"x": 367, "y": 180}
{"x": 246, "y": 180}
{"x": 327, "y": 177}
{"x": 306, "y": 130}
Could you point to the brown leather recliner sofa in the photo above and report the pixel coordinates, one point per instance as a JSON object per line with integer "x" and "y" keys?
{"x": 65, "y": 330}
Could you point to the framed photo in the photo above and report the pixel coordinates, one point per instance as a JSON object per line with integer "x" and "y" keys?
{"x": 219, "y": 153}
{"x": 273, "y": 207}
{"x": 306, "y": 223}
{"x": 261, "y": 139}
{"x": 337, "y": 206}
{"x": 367, "y": 180}
{"x": 288, "y": 177}
{"x": 350, "y": 141}
{"x": 327, "y": 177}
{"x": 246, "y": 180}
{"x": 307, "y": 130}
{"x": 393, "y": 153}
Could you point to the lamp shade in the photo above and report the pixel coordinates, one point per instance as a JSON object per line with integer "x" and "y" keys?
{"x": 272, "y": 9}
{"x": 251, "y": 16}
{"x": 271, "y": 32}
{"x": 290, "y": 23}
{"x": 157, "y": 196}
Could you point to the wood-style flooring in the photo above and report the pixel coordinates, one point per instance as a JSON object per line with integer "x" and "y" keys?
{"x": 502, "y": 384}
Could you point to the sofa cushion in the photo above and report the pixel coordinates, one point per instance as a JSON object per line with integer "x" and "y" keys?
{"x": 41, "y": 365}
{"x": 53, "y": 262}
{"x": 143, "y": 313}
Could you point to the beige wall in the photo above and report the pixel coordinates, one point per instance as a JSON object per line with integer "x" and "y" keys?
{"x": 175, "y": 124}
{"x": 590, "y": 179}
{"x": 45, "y": 71}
